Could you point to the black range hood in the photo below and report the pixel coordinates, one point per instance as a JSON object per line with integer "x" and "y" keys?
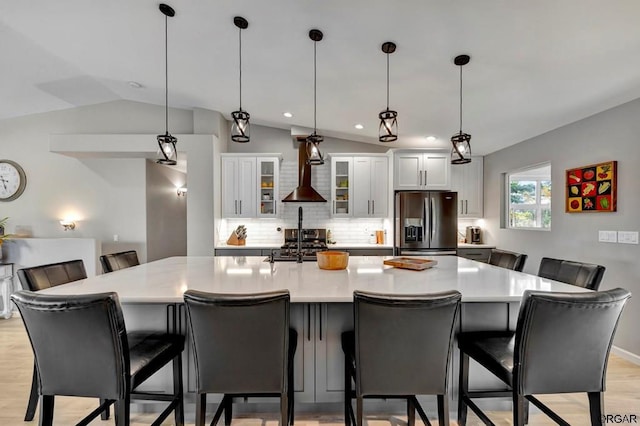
{"x": 304, "y": 193}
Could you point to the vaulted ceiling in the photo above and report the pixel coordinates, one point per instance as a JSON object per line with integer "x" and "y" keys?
{"x": 534, "y": 66}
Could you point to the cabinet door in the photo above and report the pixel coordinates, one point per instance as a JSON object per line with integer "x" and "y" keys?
{"x": 467, "y": 180}
{"x": 229, "y": 187}
{"x": 341, "y": 189}
{"x": 474, "y": 187}
{"x": 437, "y": 167}
{"x": 407, "y": 171}
{"x": 362, "y": 186}
{"x": 379, "y": 186}
{"x": 267, "y": 186}
{"x": 302, "y": 319}
{"x": 331, "y": 320}
{"x": 246, "y": 178}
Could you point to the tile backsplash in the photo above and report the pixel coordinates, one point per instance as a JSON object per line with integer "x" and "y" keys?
{"x": 315, "y": 215}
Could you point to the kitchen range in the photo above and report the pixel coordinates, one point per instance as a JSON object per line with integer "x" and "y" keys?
{"x": 311, "y": 241}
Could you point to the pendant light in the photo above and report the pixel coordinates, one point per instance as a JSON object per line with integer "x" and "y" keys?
{"x": 314, "y": 156}
{"x": 461, "y": 150}
{"x": 388, "y": 131}
{"x": 240, "y": 131}
{"x": 166, "y": 142}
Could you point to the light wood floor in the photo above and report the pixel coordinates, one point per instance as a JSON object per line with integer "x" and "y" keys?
{"x": 16, "y": 363}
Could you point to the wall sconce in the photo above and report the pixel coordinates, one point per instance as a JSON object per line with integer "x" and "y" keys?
{"x": 68, "y": 225}
{"x": 182, "y": 192}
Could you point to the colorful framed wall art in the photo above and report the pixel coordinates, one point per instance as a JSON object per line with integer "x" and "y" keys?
{"x": 592, "y": 188}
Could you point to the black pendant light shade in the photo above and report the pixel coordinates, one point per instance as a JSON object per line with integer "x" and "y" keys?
{"x": 240, "y": 128}
{"x": 314, "y": 155}
{"x": 167, "y": 153}
{"x": 461, "y": 149}
{"x": 388, "y": 131}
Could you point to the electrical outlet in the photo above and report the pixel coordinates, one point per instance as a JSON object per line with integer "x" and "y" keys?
{"x": 607, "y": 236}
{"x": 627, "y": 237}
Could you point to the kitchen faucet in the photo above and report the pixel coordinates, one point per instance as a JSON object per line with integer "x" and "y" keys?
{"x": 299, "y": 254}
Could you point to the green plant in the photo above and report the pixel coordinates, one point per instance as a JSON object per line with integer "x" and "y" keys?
{"x": 4, "y": 237}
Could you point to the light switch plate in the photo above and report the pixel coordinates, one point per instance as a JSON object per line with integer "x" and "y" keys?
{"x": 607, "y": 236}
{"x": 628, "y": 237}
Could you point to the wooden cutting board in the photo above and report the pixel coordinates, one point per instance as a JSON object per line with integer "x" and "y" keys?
{"x": 411, "y": 263}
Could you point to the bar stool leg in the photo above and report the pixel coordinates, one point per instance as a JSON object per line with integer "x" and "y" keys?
{"x": 347, "y": 392}
{"x": 46, "y": 410}
{"x": 33, "y": 397}
{"x": 284, "y": 409}
{"x": 178, "y": 390}
{"x": 201, "y": 404}
{"x": 518, "y": 409}
{"x": 596, "y": 405}
{"x": 463, "y": 387}
{"x": 228, "y": 410}
{"x": 122, "y": 411}
{"x": 411, "y": 412}
{"x": 443, "y": 410}
{"x": 360, "y": 410}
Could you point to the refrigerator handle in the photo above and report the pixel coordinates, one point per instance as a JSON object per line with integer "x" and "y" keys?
{"x": 426, "y": 225}
{"x": 433, "y": 220}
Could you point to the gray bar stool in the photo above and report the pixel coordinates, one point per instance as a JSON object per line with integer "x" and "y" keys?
{"x": 243, "y": 346}
{"x": 400, "y": 348}
{"x": 38, "y": 278}
{"x": 81, "y": 348}
{"x": 561, "y": 345}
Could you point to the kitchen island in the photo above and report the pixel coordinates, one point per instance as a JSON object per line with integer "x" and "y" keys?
{"x": 321, "y": 304}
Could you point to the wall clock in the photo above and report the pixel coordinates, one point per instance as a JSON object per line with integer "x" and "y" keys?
{"x": 12, "y": 180}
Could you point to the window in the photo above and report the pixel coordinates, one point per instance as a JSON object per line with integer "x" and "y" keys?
{"x": 529, "y": 198}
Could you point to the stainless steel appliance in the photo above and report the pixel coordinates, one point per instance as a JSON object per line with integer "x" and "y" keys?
{"x": 312, "y": 240}
{"x": 426, "y": 223}
{"x": 474, "y": 235}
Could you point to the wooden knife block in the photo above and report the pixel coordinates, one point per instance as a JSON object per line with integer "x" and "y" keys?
{"x": 235, "y": 241}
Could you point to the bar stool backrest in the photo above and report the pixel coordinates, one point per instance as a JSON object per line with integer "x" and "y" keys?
{"x": 240, "y": 341}
{"x": 403, "y": 342}
{"x": 116, "y": 261}
{"x": 507, "y": 259}
{"x": 79, "y": 343}
{"x": 44, "y": 276}
{"x": 563, "y": 340}
{"x": 587, "y": 275}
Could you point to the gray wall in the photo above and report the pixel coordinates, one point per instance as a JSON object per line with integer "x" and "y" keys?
{"x": 610, "y": 135}
{"x": 166, "y": 212}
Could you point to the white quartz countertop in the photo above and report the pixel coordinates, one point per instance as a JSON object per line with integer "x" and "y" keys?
{"x": 478, "y": 246}
{"x": 164, "y": 281}
{"x": 277, "y": 246}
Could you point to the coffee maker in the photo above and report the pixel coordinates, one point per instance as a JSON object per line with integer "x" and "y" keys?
{"x": 474, "y": 235}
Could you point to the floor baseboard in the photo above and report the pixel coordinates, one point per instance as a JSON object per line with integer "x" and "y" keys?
{"x": 629, "y": 356}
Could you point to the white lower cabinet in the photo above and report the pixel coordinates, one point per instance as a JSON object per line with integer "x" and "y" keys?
{"x": 319, "y": 361}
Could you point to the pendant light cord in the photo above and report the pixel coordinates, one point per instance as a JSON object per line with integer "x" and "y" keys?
{"x": 387, "y": 81}
{"x": 166, "y": 76}
{"x": 460, "y": 99}
{"x": 240, "y": 62}
{"x": 314, "y": 86}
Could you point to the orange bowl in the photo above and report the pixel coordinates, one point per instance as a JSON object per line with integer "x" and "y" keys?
{"x": 332, "y": 260}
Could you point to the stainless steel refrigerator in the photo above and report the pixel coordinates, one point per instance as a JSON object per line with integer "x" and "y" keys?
{"x": 426, "y": 223}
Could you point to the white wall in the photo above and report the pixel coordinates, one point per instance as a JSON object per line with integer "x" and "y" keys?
{"x": 610, "y": 135}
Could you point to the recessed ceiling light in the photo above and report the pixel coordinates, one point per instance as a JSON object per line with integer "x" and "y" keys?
{"x": 359, "y": 126}
{"x": 431, "y": 138}
{"x": 134, "y": 84}
{"x": 287, "y": 114}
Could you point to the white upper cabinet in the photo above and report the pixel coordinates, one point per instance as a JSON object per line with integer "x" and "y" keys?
{"x": 467, "y": 180}
{"x": 268, "y": 183}
{"x": 249, "y": 186}
{"x": 422, "y": 170}
{"x": 360, "y": 186}
{"x": 370, "y": 186}
{"x": 341, "y": 186}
